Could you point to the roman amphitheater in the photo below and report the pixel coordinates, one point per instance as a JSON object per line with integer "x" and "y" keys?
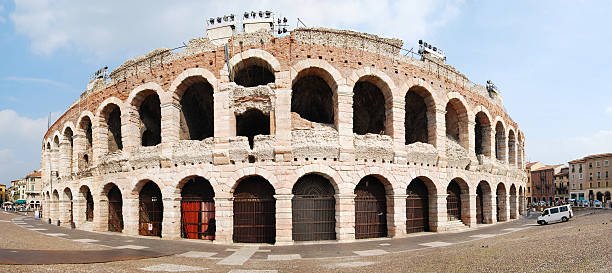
{"x": 318, "y": 134}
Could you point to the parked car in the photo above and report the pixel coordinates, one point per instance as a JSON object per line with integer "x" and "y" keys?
{"x": 556, "y": 214}
{"x": 597, "y": 204}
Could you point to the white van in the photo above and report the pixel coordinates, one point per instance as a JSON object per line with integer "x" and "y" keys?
{"x": 556, "y": 214}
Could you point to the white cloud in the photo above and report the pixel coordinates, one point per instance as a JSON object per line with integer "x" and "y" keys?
{"x": 108, "y": 27}
{"x": 562, "y": 150}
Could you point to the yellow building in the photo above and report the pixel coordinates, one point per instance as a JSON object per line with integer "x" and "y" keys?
{"x": 2, "y": 193}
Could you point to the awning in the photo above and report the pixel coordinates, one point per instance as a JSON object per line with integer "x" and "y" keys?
{"x": 19, "y": 202}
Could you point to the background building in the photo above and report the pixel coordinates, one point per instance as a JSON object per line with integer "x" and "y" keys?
{"x": 33, "y": 186}
{"x": 531, "y": 166}
{"x": 562, "y": 184}
{"x": 590, "y": 177}
{"x": 2, "y": 193}
{"x": 542, "y": 182}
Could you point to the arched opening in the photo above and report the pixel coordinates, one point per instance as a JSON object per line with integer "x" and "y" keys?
{"x": 253, "y": 72}
{"x": 483, "y": 203}
{"x": 600, "y": 196}
{"x": 501, "y": 203}
{"x": 197, "y": 110}
{"x": 313, "y": 209}
{"x": 513, "y": 202}
{"x": 70, "y": 204}
{"x": 69, "y": 136}
{"x": 254, "y": 211}
{"x": 607, "y": 196}
{"x": 500, "y": 142}
{"x": 115, "y": 209}
{"x": 251, "y": 123}
{"x": 521, "y": 201}
{"x": 370, "y": 208}
{"x": 312, "y": 97}
{"x": 151, "y": 210}
{"x": 511, "y": 148}
{"x": 84, "y": 158}
{"x": 55, "y": 206}
{"x": 368, "y": 109}
{"x": 417, "y": 119}
{"x": 453, "y": 201}
{"x": 456, "y": 122}
{"x": 417, "y": 206}
{"x": 482, "y": 135}
{"x": 112, "y": 117}
{"x": 150, "y": 120}
{"x": 89, "y": 204}
{"x": 198, "y": 210}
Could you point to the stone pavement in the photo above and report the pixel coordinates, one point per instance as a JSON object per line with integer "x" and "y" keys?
{"x": 123, "y": 247}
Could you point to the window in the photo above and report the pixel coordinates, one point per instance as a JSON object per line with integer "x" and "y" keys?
{"x": 606, "y": 163}
{"x": 581, "y": 176}
{"x": 572, "y": 167}
{"x": 573, "y": 186}
{"x": 606, "y": 174}
{"x": 580, "y": 186}
{"x": 580, "y": 168}
{"x": 528, "y": 189}
{"x": 563, "y": 209}
{"x": 590, "y": 184}
{"x": 554, "y": 210}
{"x": 590, "y": 164}
{"x": 590, "y": 176}
{"x": 599, "y": 184}
{"x": 598, "y": 175}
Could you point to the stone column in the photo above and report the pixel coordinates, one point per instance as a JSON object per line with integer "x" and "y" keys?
{"x": 472, "y": 142}
{"x": 80, "y": 144}
{"x": 100, "y": 140}
{"x": 345, "y": 217}
{"x": 224, "y": 127}
{"x": 440, "y": 218}
{"x": 224, "y": 212}
{"x": 466, "y": 212}
{"x": 64, "y": 213}
{"x": 79, "y": 207}
{"x": 131, "y": 214}
{"x": 396, "y": 215}
{"x": 440, "y": 135}
{"x": 65, "y": 159}
{"x": 170, "y": 126}
{"x": 130, "y": 130}
{"x": 507, "y": 207}
{"x": 513, "y": 207}
{"x": 284, "y": 227}
{"x": 493, "y": 208}
{"x": 100, "y": 214}
{"x": 471, "y": 217}
{"x": 282, "y": 115}
{"x": 171, "y": 224}
{"x": 344, "y": 123}
{"x": 55, "y": 164}
{"x": 399, "y": 131}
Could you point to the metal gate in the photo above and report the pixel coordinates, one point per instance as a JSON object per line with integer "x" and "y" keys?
{"x": 71, "y": 211}
{"x": 370, "y": 209}
{"x": 417, "y": 207}
{"x": 499, "y": 208}
{"x": 453, "y": 202}
{"x": 115, "y": 214}
{"x": 479, "y": 206}
{"x": 198, "y": 219}
{"x": 89, "y": 207}
{"x": 313, "y": 209}
{"x": 151, "y": 210}
{"x": 254, "y": 211}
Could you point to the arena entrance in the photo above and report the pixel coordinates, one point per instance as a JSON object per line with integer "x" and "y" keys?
{"x": 313, "y": 209}
{"x": 417, "y": 207}
{"x": 501, "y": 203}
{"x": 115, "y": 209}
{"x": 151, "y": 210}
{"x": 370, "y": 209}
{"x": 198, "y": 210}
{"x": 254, "y": 211}
{"x": 89, "y": 207}
{"x": 453, "y": 201}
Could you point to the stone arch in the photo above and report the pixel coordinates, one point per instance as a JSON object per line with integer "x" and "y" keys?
{"x": 482, "y": 132}
{"x": 313, "y": 208}
{"x": 513, "y": 201}
{"x": 501, "y": 202}
{"x": 56, "y": 140}
{"x": 421, "y": 207}
{"x": 251, "y": 123}
{"x": 372, "y": 102}
{"x": 109, "y": 115}
{"x": 420, "y": 114}
{"x": 241, "y": 174}
{"x": 145, "y": 112}
{"x": 457, "y": 120}
{"x": 151, "y": 208}
{"x": 484, "y": 207}
{"x": 86, "y": 195}
{"x": 330, "y": 174}
{"x": 458, "y": 201}
{"x": 261, "y": 56}
{"x": 112, "y": 196}
{"x": 254, "y": 210}
{"x": 194, "y": 91}
{"x": 371, "y": 211}
{"x": 511, "y": 147}
{"x": 66, "y": 154}
{"x": 251, "y": 69}
{"x": 198, "y": 209}
{"x": 500, "y": 140}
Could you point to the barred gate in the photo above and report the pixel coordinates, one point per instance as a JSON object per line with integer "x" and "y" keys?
{"x": 479, "y": 206}
{"x": 417, "y": 207}
{"x": 313, "y": 209}
{"x": 89, "y": 207}
{"x": 151, "y": 210}
{"x": 198, "y": 219}
{"x": 115, "y": 213}
{"x": 453, "y": 202}
{"x": 254, "y": 211}
{"x": 370, "y": 209}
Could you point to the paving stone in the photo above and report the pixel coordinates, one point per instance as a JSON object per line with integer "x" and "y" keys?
{"x": 287, "y": 257}
{"x": 436, "y": 244}
{"x": 372, "y": 252}
{"x": 198, "y": 254}
{"x": 173, "y": 268}
{"x": 131, "y": 247}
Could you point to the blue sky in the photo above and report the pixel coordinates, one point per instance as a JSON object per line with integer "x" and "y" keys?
{"x": 548, "y": 58}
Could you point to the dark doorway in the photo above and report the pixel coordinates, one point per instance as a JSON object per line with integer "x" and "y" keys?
{"x": 113, "y": 121}
{"x": 197, "y": 112}
{"x": 415, "y": 121}
{"x": 312, "y": 99}
{"x": 150, "y": 116}
{"x": 251, "y": 73}
{"x": 198, "y": 210}
{"x": 254, "y": 211}
{"x": 417, "y": 207}
{"x": 251, "y": 123}
{"x": 151, "y": 210}
{"x": 479, "y": 205}
{"x": 453, "y": 201}
{"x": 89, "y": 206}
{"x": 313, "y": 209}
{"x": 115, "y": 210}
{"x": 370, "y": 209}
{"x": 368, "y": 109}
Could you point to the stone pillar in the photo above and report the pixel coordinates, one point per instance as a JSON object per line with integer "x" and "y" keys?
{"x": 282, "y": 116}
{"x": 466, "y": 213}
{"x": 521, "y": 202}
{"x": 470, "y": 220}
{"x": 399, "y": 131}
{"x": 130, "y": 129}
{"x": 224, "y": 212}
{"x": 284, "y": 227}
{"x": 171, "y": 224}
{"x": 223, "y": 127}
{"x": 80, "y": 144}
{"x": 513, "y": 207}
{"x": 493, "y": 208}
{"x": 345, "y": 217}
{"x": 100, "y": 140}
{"x": 440, "y": 218}
{"x": 64, "y": 213}
{"x": 55, "y": 164}
{"x": 507, "y": 207}
{"x": 100, "y": 214}
{"x": 170, "y": 126}
{"x": 65, "y": 159}
{"x": 472, "y": 142}
{"x": 131, "y": 214}
{"x": 396, "y": 215}
{"x": 440, "y": 136}
{"x": 344, "y": 123}
{"x": 487, "y": 208}
{"x": 79, "y": 207}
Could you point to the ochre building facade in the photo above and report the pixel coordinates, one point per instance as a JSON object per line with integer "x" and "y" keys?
{"x": 318, "y": 135}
